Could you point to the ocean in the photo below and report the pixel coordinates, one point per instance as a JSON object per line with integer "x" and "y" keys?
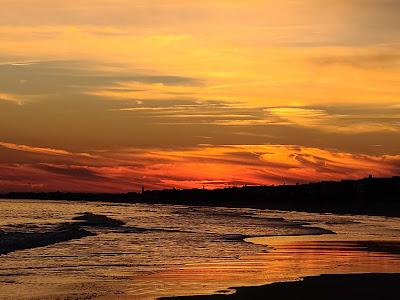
{"x": 166, "y": 250}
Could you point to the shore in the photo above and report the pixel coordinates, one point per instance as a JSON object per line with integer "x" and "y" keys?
{"x": 349, "y": 286}
{"x": 359, "y": 283}
{"x": 153, "y": 251}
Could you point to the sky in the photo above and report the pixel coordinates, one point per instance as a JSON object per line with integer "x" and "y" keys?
{"x": 113, "y": 95}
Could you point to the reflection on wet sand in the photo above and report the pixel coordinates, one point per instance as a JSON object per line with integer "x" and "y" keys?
{"x": 289, "y": 258}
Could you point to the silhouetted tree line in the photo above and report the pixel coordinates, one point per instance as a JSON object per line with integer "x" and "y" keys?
{"x": 377, "y": 196}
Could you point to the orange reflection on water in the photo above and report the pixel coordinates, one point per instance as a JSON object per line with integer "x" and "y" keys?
{"x": 288, "y": 259}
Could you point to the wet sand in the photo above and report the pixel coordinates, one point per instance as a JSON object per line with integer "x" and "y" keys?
{"x": 351, "y": 265}
{"x": 349, "y": 286}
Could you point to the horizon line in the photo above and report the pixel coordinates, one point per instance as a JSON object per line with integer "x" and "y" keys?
{"x": 191, "y": 189}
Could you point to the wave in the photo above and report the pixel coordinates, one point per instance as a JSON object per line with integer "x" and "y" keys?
{"x": 63, "y": 232}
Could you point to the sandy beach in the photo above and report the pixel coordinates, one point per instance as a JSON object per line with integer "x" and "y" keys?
{"x": 349, "y": 286}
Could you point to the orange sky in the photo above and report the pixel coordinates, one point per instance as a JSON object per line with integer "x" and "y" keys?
{"x": 110, "y": 95}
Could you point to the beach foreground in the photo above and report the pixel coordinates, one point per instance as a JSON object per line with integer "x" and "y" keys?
{"x": 86, "y": 250}
{"x": 349, "y": 286}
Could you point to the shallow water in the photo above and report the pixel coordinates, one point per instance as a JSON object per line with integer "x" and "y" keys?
{"x": 168, "y": 250}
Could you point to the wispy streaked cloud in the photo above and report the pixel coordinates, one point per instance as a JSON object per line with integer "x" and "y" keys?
{"x": 41, "y": 150}
{"x": 375, "y": 59}
{"x": 347, "y": 123}
{"x": 43, "y": 80}
{"x": 322, "y": 118}
{"x": 206, "y": 165}
{"x": 11, "y": 98}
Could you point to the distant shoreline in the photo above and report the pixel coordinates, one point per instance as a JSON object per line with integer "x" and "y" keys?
{"x": 368, "y": 196}
{"x": 330, "y": 287}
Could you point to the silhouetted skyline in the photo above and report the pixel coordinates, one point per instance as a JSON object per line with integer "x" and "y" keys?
{"x": 374, "y": 196}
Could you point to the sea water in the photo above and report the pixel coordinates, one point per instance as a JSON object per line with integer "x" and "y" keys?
{"x": 166, "y": 250}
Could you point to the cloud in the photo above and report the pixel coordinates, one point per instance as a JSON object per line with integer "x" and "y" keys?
{"x": 375, "y": 60}
{"x": 303, "y": 116}
{"x": 40, "y": 80}
{"x": 345, "y": 121}
{"x": 192, "y": 112}
{"x": 212, "y": 165}
{"x": 11, "y": 98}
{"x": 81, "y": 172}
{"x": 350, "y": 120}
{"x": 105, "y": 77}
{"x": 42, "y": 150}
{"x": 100, "y": 124}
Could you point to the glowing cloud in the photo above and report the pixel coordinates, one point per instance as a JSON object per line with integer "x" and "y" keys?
{"x": 109, "y": 95}
{"x": 211, "y": 166}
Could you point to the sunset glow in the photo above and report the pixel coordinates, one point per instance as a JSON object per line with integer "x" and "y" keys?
{"x": 113, "y": 95}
